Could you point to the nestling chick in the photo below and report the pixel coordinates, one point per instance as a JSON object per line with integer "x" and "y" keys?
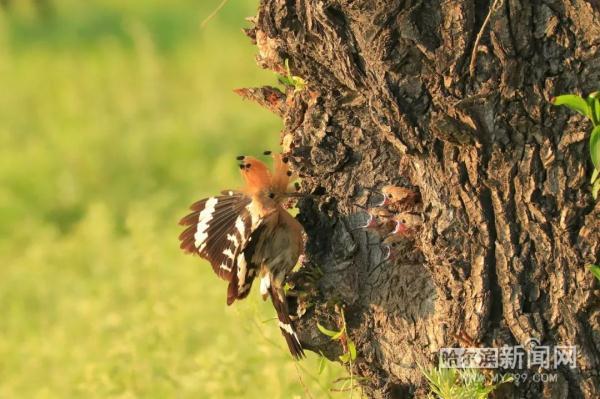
{"x": 394, "y": 214}
{"x": 394, "y": 217}
{"x": 248, "y": 233}
{"x": 399, "y": 199}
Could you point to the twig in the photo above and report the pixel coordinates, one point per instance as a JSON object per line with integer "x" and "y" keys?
{"x": 306, "y": 390}
{"x": 351, "y": 384}
{"x": 351, "y": 380}
{"x": 315, "y": 379}
{"x": 296, "y": 363}
{"x": 212, "y": 14}
{"x": 472, "y": 64}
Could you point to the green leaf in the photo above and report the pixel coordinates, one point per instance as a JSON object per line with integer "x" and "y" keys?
{"x": 594, "y": 104}
{"x": 595, "y": 147}
{"x": 338, "y": 335}
{"x": 321, "y": 364}
{"x": 595, "y": 269}
{"x": 329, "y": 333}
{"x": 594, "y": 176}
{"x": 575, "y": 103}
{"x": 284, "y": 80}
{"x": 296, "y": 82}
{"x": 287, "y": 67}
{"x": 299, "y": 83}
{"x": 595, "y": 189}
{"x": 352, "y": 350}
{"x": 345, "y": 358}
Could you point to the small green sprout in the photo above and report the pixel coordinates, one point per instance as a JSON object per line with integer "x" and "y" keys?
{"x": 290, "y": 80}
{"x": 349, "y": 346}
{"x": 595, "y": 269}
{"x": 595, "y": 184}
{"x": 349, "y": 355}
{"x": 452, "y": 383}
{"x": 590, "y": 108}
{"x": 322, "y": 360}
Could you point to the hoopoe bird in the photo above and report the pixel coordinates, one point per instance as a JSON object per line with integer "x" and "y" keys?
{"x": 247, "y": 233}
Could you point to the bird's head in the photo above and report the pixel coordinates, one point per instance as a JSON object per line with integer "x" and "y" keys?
{"x": 271, "y": 188}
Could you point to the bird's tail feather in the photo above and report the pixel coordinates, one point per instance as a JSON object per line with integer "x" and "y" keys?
{"x": 285, "y": 323}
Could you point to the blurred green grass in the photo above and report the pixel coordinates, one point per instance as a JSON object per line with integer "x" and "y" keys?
{"x": 114, "y": 117}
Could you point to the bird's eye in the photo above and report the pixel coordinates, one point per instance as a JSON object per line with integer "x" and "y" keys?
{"x": 389, "y": 195}
{"x": 271, "y": 195}
{"x": 289, "y": 173}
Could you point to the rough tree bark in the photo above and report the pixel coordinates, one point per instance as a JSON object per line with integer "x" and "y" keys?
{"x": 427, "y": 94}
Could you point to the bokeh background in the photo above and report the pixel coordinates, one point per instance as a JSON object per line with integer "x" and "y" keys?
{"x": 114, "y": 117}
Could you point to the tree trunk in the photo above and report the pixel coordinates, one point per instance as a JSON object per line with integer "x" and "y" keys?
{"x": 451, "y": 98}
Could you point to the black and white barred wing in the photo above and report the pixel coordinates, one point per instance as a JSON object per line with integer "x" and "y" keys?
{"x": 218, "y": 229}
{"x": 247, "y": 268}
{"x": 277, "y": 294}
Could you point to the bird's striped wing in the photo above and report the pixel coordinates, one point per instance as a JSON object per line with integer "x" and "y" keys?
{"x": 247, "y": 268}
{"x": 218, "y": 229}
